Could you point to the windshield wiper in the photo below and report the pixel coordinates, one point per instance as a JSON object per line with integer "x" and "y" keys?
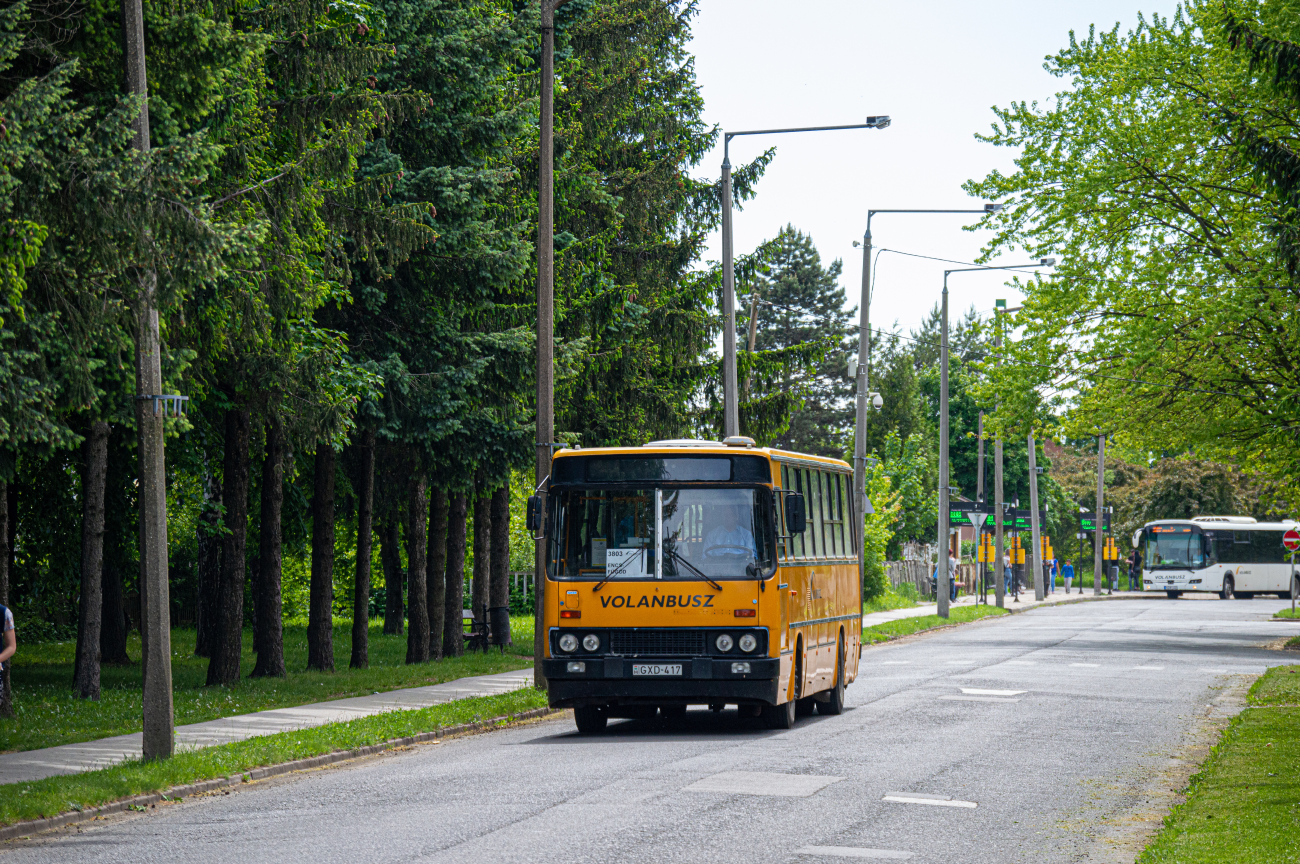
{"x": 676, "y": 556}
{"x": 610, "y": 574}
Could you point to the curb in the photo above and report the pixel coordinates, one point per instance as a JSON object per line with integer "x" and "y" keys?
{"x": 1010, "y": 611}
{"x": 72, "y": 817}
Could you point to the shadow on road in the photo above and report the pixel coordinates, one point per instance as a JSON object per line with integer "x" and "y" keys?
{"x": 697, "y": 725}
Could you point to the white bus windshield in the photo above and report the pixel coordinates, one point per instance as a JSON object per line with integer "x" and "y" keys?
{"x": 1174, "y": 547}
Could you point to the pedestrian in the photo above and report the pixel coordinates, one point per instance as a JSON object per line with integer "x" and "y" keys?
{"x": 1050, "y": 572}
{"x": 1135, "y": 571}
{"x": 8, "y": 645}
{"x": 952, "y": 577}
{"x": 1006, "y": 572}
{"x": 1067, "y": 573}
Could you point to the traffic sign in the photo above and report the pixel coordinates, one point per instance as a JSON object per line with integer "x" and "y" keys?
{"x": 1291, "y": 540}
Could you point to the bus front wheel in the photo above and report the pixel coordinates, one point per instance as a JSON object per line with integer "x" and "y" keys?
{"x": 591, "y": 719}
{"x": 1226, "y": 593}
{"x": 779, "y": 716}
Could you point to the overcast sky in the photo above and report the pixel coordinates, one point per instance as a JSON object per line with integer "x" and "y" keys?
{"x": 936, "y": 68}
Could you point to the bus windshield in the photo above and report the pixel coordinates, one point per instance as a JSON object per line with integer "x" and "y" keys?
{"x": 707, "y": 533}
{"x": 1174, "y": 547}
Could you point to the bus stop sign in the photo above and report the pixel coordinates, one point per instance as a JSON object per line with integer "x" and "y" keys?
{"x": 1291, "y": 540}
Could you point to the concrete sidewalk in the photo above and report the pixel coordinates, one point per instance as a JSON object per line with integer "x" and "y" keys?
{"x": 30, "y": 765}
{"x": 1027, "y": 601}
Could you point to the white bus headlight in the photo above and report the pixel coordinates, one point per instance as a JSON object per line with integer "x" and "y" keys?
{"x": 724, "y": 642}
{"x": 591, "y": 642}
{"x": 748, "y": 643}
{"x": 568, "y": 643}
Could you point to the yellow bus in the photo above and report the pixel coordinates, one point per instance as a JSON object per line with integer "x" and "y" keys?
{"x": 699, "y": 573}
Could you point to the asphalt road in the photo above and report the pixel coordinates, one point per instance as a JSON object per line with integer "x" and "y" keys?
{"x": 1114, "y": 695}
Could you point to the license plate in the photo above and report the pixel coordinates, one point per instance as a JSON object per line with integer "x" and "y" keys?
{"x": 657, "y": 669}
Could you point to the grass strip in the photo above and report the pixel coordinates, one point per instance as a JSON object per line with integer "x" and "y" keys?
{"x": 48, "y": 712}
{"x": 1241, "y": 806}
{"x": 907, "y": 626}
{"x": 43, "y": 798}
{"x": 1287, "y": 613}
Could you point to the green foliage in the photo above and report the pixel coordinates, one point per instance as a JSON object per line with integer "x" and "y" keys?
{"x": 1168, "y": 317}
{"x": 907, "y": 626}
{"x": 916, "y": 499}
{"x": 886, "y": 502}
{"x": 802, "y": 340}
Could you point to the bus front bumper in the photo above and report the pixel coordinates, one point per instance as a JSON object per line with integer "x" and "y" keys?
{"x": 704, "y": 680}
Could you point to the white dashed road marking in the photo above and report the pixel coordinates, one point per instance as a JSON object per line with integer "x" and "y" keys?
{"x": 763, "y": 783}
{"x": 922, "y": 798}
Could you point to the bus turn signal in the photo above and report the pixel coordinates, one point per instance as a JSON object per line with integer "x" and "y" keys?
{"x": 746, "y": 613}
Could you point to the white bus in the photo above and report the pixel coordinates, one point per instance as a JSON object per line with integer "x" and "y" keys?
{"x": 1232, "y": 556}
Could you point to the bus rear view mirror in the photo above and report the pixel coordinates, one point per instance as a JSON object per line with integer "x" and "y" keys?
{"x": 533, "y": 519}
{"x": 796, "y": 515}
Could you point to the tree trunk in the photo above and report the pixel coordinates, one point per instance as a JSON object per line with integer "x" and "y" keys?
{"x": 482, "y": 550}
{"x": 361, "y": 591}
{"x": 113, "y": 621}
{"x": 453, "y": 632}
{"x": 320, "y": 621}
{"x": 86, "y": 675}
{"x": 269, "y": 638}
{"x": 436, "y": 565}
{"x": 499, "y": 586}
{"x": 7, "y": 519}
{"x": 417, "y": 610}
{"x": 208, "y": 542}
{"x": 391, "y": 557}
{"x": 223, "y": 667}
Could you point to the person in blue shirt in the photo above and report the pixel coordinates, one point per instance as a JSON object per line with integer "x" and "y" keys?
{"x": 1067, "y": 572}
{"x": 730, "y": 538}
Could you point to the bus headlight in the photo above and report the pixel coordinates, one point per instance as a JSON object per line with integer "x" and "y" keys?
{"x": 590, "y": 643}
{"x": 568, "y": 643}
{"x": 724, "y": 642}
{"x": 748, "y": 643}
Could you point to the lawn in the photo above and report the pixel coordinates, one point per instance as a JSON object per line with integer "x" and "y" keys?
{"x": 42, "y": 798}
{"x": 1241, "y": 806}
{"x": 905, "y": 626}
{"x": 1287, "y": 613}
{"x": 47, "y": 713}
{"x": 889, "y": 600}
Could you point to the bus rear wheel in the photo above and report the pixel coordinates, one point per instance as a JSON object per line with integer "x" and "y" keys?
{"x": 591, "y": 719}
{"x": 1226, "y": 593}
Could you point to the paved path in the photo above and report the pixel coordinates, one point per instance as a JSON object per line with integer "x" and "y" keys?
{"x": 1027, "y": 601}
{"x": 75, "y": 758}
{"x": 1088, "y": 723}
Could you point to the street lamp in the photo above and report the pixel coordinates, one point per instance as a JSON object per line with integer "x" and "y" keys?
{"x": 943, "y": 415}
{"x": 862, "y": 369}
{"x": 730, "y": 406}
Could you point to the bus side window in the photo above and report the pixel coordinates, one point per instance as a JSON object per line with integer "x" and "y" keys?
{"x": 815, "y": 511}
{"x": 837, "y": 513}
{"x": 798, "y": 539}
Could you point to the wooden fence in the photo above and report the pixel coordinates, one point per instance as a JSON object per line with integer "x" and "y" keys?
{"x": 920, "y": 574}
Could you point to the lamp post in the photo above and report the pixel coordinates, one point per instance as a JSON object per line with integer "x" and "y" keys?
{"x": 864, "y": 373}
{"x": 943, "y": 416}
{"x": 730, "y": 404}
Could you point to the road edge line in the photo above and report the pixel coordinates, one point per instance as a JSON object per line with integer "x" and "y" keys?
{"x": 73, "y": 817}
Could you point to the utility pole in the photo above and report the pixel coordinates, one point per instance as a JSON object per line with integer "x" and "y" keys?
{"x": 943, "y": 587}
{"x": 545, "y": 316}
{"x": 1036, "y": 554}
{"x": 730, "y": 405}
{"x": 999, "y": 581}
{"x": 150, "y": 413}
{"x": 979, "y": 528}
{"x": 1101, "y": 516}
